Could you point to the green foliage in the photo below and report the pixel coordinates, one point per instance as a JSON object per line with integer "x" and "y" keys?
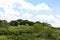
{"x": 3, "y": 23}
{"x": 13, "y": 23}
{"x": 27, "y": 30}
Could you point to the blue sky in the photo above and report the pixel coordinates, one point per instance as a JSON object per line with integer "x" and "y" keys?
{"x": 51, "y": 3}
{"x": 34, "y": 10}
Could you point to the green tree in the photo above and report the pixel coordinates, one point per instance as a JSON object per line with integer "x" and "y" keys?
{"x": 19, "y": 21}
{"x": 13, "y": 23}
{"x": 46, "y": 24}
{"x": 4, "y": 23}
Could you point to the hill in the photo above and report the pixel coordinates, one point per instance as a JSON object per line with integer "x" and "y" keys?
{"x": 27, "y": 30}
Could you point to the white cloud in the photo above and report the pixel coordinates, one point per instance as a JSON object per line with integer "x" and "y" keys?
{"x": 51, "y": 19}
{"x": 42, "y": 6}
{"x": 27, "y": 16}
{"x": 29, "y": 6}
{"x": 10, "y": 14}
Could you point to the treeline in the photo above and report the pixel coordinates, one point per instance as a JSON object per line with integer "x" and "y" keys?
{"x": 4, "y": 23}
{"x": 27, "y": 30}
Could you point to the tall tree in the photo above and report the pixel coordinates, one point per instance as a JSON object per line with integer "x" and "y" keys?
{"x": 4, "y": 23}
{"x": 19, "y": 21}
{"x": 13, "y": 23}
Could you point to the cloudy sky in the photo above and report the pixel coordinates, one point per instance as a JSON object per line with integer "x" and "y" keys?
{"x": 34, "y": 10}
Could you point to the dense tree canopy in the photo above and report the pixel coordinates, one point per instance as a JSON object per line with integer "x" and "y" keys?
{"x": 27, "y": 30}
{"x": 4, "y": 23}
{"x": 13, "y": 23}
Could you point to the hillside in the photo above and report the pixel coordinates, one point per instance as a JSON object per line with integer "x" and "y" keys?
{"x": 27, "y": 30}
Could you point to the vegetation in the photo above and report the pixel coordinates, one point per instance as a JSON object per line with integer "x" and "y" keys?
{"x": 27, "y": 30}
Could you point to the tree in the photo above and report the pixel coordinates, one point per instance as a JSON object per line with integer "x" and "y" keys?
{"x": 30, "y": 23}
{"x": 38, "y": 22}
{"x": 13, "y": 23}
{"x": 19, "y": 21}
{"x": 4, "y": 23}
{"x": 45, "y": 24}
{"x": 0, "y": 22}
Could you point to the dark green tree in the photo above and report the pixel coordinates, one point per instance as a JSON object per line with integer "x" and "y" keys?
{"x": 4, "y": 23}
{"x": 19, "y": 21}
{"x": 13, "y": 23}
{"x": 45, "y": 24}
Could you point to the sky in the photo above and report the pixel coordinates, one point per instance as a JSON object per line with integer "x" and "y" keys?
{"x": 34, "y": 10}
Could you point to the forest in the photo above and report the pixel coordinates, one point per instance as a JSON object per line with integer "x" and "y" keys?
{"x": 27, "y": 30}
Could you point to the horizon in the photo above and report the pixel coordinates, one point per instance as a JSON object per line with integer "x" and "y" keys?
{"x": 34, "y": 10}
